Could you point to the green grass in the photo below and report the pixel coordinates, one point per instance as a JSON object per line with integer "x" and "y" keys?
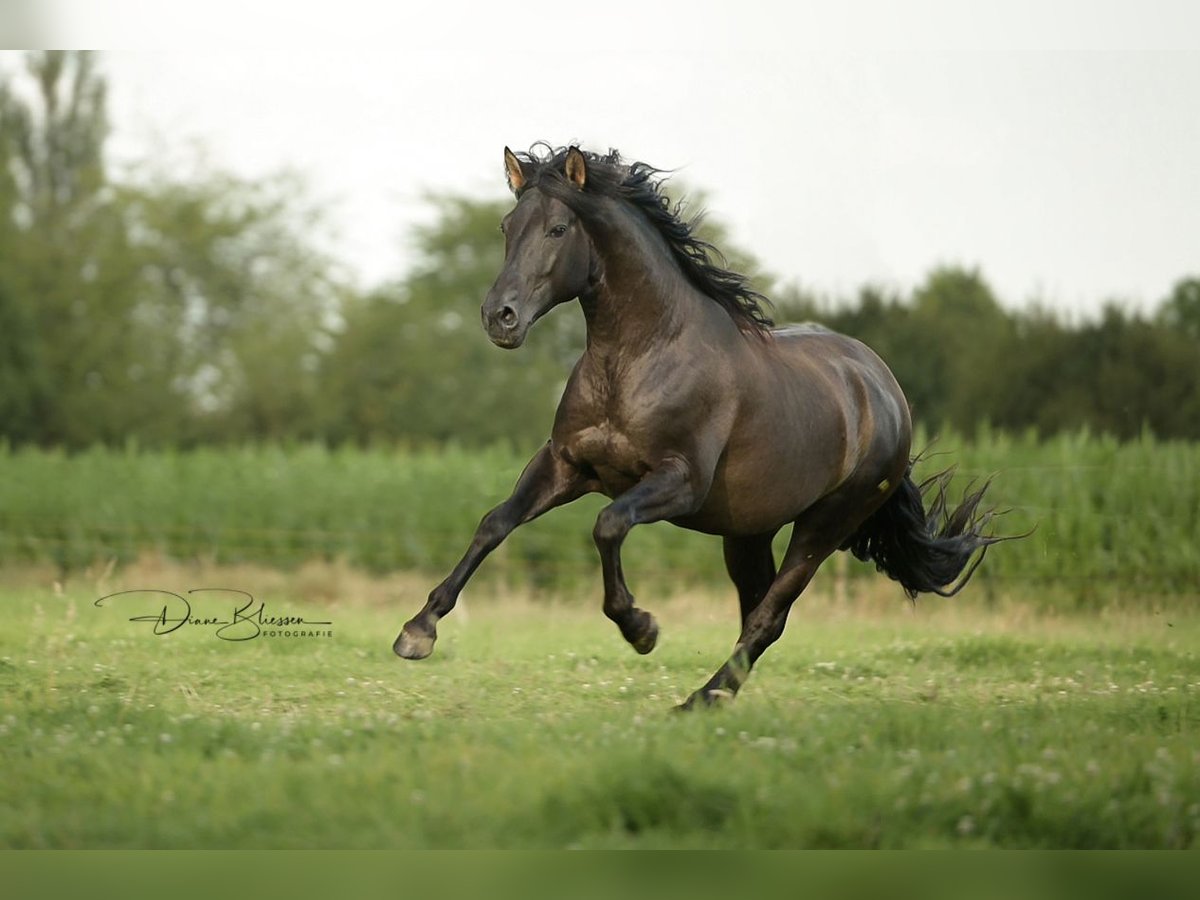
{"x": 946, "y": 725}
{"x": 1113, "y": 520}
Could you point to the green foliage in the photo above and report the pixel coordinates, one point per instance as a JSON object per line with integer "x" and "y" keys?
{"x": 540, "y": 728}
{"x": 242, "y": 303}
{"x": 413, "y": 364}
{"x": 1115, "y": 522}
{"x": 177, "y": 311}
{"x": 1181, "y": 310}
{"x": 963, "y": 359}
{"x": 64, "y": 275}
{"x": 146, "y": 308}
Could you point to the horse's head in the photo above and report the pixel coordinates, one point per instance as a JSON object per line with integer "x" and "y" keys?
{"x": 547, "y": 255}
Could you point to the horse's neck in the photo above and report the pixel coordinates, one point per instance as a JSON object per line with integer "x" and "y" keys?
{"x": 628, "y": 321}
{"x": 640, "y": 298}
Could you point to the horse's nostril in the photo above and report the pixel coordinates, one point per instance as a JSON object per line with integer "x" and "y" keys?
{"x": 508, "y": 317}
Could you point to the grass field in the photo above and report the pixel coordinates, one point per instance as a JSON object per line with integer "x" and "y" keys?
{"x": 871, "y": 724}
{"x": 1113, "y": 520}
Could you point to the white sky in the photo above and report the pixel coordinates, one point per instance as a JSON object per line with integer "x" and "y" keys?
{"x": 1054, "y": 144}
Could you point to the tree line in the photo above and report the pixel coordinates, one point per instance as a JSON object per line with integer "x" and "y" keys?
{"x": 175, "y": 310}
{"x": 964, "y": 359}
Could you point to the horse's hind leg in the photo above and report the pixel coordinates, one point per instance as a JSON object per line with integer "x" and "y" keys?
{"x": 815, "y": 535}
{"x": 764, "y": 624}
{"x": 751, "y": 566}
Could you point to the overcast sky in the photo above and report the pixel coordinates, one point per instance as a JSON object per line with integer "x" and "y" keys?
{"x": 1055, "y": 145}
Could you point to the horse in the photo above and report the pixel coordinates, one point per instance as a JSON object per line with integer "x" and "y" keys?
{"x": 689, "y": 406}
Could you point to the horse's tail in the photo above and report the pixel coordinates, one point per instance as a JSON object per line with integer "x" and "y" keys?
{"x": 926, "y": 551}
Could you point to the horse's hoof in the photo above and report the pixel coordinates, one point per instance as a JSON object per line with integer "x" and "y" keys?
{"x": 648, "y": 639}
{"x": 414, "y": 644}
{"x": 706, "y": 699}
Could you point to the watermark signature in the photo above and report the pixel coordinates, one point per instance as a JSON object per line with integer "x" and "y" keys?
{"x": 246, "y": 620}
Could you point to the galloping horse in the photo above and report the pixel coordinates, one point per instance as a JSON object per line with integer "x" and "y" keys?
{"x": 688, "y": 406}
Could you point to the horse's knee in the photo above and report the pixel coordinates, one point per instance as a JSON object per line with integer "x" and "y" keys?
{"x": 611, "y": 527}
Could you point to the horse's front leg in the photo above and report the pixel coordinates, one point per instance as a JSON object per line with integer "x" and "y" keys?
{"x": 661, "y": 494}
{"x": 548, "y": 481}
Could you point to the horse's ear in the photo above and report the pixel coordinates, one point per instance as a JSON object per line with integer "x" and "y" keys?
{"x": 576, "y": 168}
{"x": 512, "y": 168}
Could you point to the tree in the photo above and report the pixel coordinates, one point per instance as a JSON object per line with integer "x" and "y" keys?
{"x": 242, "y": 300}
{"x": 1143, "y": 377}
{"x": 152, "y": 308}
{"x": 64, "y": 287}
{"x": 1181, "y": 310}
{"x": 964, "y": 335}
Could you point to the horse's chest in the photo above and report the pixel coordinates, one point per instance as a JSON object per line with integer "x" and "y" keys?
{"x": 609, "y": 452}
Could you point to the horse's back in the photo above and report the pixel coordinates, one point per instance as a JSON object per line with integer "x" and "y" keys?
{"x": 811, "y": 350}
{"x": 799, "y": 329}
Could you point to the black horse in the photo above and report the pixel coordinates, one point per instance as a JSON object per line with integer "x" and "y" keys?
{"x": 687, "y": 406}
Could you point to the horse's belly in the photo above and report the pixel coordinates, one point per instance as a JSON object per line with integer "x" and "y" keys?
{"x": 764, "y": 501}
{"x": 713, "y": 519}
{"x": 755, "y": 489}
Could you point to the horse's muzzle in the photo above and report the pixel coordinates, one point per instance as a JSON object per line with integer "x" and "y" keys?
{"x": 503, "y": 322}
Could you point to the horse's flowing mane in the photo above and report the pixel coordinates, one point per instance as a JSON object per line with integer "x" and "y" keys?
{"x": 641, "y": 185}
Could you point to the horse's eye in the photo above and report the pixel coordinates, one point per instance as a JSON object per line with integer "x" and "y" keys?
{"x": 557, "y": 231}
